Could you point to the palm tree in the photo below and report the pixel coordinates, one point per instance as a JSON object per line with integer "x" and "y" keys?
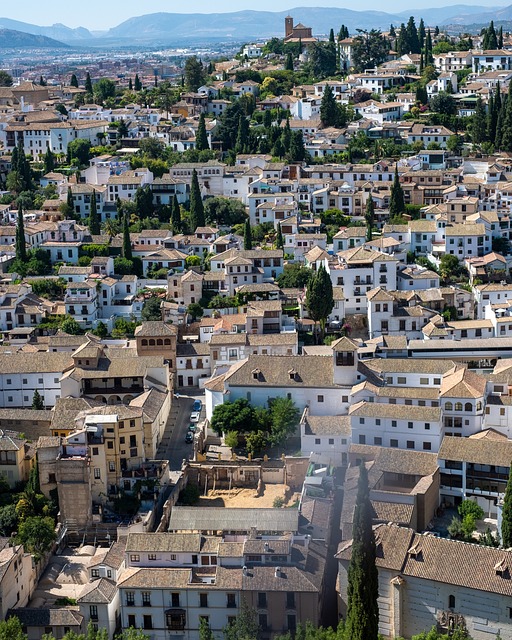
{"x": 111, "y": 228}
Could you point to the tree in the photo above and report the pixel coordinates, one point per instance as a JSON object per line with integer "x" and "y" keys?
{"x": 245, "y": 625}
{"x": 151, "y": 311}
{"x": 195, "y": 310}
{"x": 224, "y": 211}
{"x": 454, "y": 144}
{"x": 36, "y": 534}
{"x": 297, "y": 152}
{"x": 88, "y": 83}
{"x": 369, "y": 49}
{"x": 284, "y": 416}
{"x": 369, "y": 216}
{"x": 196, "y": 204}
{"x": 144, "y": 202}
{"x": 288, "y": 65}
{"x": 396, "y": 200}
{"x": 71, "y": 326}
{"x": 37, "y": 401}
{"x": 137, "y": 85}
{"x": 231, "y": 439}
{"x": 127, "y": 243}
{"x": 74, "y": 81}
{"x": 490, "y": 39}
{"x": 176, "y": 215}
{"x": 103, "y": 89}
{"x": 443, "y": 103}
{"x": 194, "y": 73}
{"x": 5, "y": 79}
{"x": 279, "y": 237}
{"x": 94, "y": 220}
{"x": 362, "y": 622}
{"x": 11, "y": 629}
{"x": 8, "y": 516}
{"x": 151, "y": 148}
{"x": 48, "y": 161}
{"x": 472, "y": 508}
{"x": 294, "y": 276}
{"x": 448, "y": 266}
{"x": 256, "y": 442}
{"x": 21, "y": 245}
{"x": 205, "y": 633}
{"x": 506, "y": 521}
{"x": 101, "y": 330}
{"x": 201, "y": 137}
{"x": 479, "y": 121}
{"x": 80, "y": 150}
{"x": 233, "y": 416}
{"x": 328, "y": 108}
{"x": 319, "y": 298}
{"x": 247, "y": 235}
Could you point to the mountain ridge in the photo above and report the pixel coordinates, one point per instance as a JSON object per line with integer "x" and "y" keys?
{"x": 12, "y": 39}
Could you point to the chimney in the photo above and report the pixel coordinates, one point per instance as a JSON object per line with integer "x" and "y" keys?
{"x": 244, "y": 570}
{"x": 278, "y": 572}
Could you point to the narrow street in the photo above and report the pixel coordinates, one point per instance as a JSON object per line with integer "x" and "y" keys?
{"x": 173, "y": 446}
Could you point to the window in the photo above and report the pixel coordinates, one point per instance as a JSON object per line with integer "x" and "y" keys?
{"x": 320, "y": 398}
{"x": 427, "y": 446}
{"x": 151, "y": 556}
{"x": 262, "y": 620}
{"x": 292, "y": 622}
{"x": 377, "y": 441}
{"x": 362, "y": 439}
{"x": 451, "y": 602}
{"x": 231, "y": 601}
{"x": 97, "y": 473}
{"x": 410, "y": 425}
{"x": 134, "y": 557}
{"x": 458, "y": 406}
{"x": 262, "y": 600}
{"x": 427, "y": 426}
{"x": 401, "y": 380}
{"x": 290, "y": 600}
{"x": 393, "y": 443}
{"x": 146, "y": 598}
{"x": 317, "y": 441}
{"x": 410, "y": 444}
{"x": 148, "y": 622}
{"x": 93, "y": 612}
{"x": 423, "y": 380}
{"x": 203, "y": 600}
{"x": 130, "y": 601}
{"x": 448, "y": 406}
{"x": 393, "y": 423}
{"x": 95, "y": 573}
{"x": 111, "y": 466}
{"x": 331, "y": 440}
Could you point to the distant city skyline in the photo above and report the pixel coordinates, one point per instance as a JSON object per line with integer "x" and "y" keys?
{"x": 97, "y": 15}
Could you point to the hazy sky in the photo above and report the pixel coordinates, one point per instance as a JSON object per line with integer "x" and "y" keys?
{"x": 101, "y": 14}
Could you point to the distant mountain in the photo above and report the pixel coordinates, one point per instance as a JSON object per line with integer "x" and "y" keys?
{"x": 56, "y": 31}
{"x": 500, "y": 14}
{"x": 10, "y": 39}
{"x": 241, "y": 25}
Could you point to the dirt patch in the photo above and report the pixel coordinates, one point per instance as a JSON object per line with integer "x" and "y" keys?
{"x": 248, "y": 498}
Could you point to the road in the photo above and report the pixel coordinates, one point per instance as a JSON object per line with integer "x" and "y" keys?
{"x": 173, "y": 446}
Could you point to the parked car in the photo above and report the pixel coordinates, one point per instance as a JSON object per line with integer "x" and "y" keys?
{"x": 192, "y": 427}
{"x": 189, "y": 437}
{"x": 197, "y": 405}
{"x": 194, "y": 416}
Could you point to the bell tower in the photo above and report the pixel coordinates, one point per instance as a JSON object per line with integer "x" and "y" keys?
{"x": 288, "y": 26}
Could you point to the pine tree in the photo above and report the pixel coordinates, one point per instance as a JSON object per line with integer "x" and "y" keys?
{"x": 196, "y": 203}
{"x": 362, "y": 621}
{"x": 74, "y": 81}
{"x": 127, "y": 243}
{"x": 429, "y": 57}
{"x": 201, "y": 137}
{"x": 319, "y": 298}
{"x": 94, "y": 221}
{"x": 279, "y": 237}
{"x": 331, "y": 36}
{"x": 37, "y": 401}
{"x": 506, "y": 515}
{"x": 492, "y": 117}
{"x": 490, "y": 40}
{"x": 242, "y": 135}
{"x": 499, "y": 129}
{"x": 286, "y": 136}
{"x": 88, "y": 83}
{"x": 402, "y": 44}
{"x": 396, "y": 200}
{"x": 176, "y": 216}
{"x": 328, "y": 108}
{"x": 23, "y": 167}
{"x": 21, "y": 246}
{"x": 392, "y": 32}
{"x": 247, "y": 235}
{"x": 369, "y": 217}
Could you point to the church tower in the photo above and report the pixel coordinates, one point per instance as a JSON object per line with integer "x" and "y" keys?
{"x": 288, "y": 26}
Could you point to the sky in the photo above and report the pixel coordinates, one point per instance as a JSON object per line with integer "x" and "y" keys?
{"x": 100, "y": 15}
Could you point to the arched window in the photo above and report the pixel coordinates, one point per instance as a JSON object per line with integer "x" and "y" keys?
{"x": 167, "y": 341}
{"x": 468, "y": 406}
{"x": 160, "y": 342}
{"x": 151, "y": 342}
{"x": 458, "y": 406}
{"x": 144, "y": 342}
{"x": 448, "y": 406}
{"x": 451, "y": 602}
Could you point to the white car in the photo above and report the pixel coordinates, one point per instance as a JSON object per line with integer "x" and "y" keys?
{"x": 194, "y": 416}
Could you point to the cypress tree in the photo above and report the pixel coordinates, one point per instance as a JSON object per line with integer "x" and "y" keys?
{"x": 402, "y": 45}
{"x": 429, "y": 58}
{"x": 362, "y": 621}
{"x": 499, "y": 129}
{"x": 396, "y": 200}
{"x": 500, "y": 38}
{"x": 130, "y": 85}
{"x": 328, "y": 108}
{"x": 331, "y": 36}
{"x": 421, "y": 33}
{"x": 506, "y": 140}
{"x": 196, "y": 204}
{"x": 247, "y": 235}
{"x": 176, "y": 215}
{"x": 297, "y": 150}
{"x": 23, "y": 168}
{"x": 319, "y": 298}
{"x": 21, "y": 246}
{"x": 137, "y": 85}
{"x": 289, "y": 62}
{"x": 88, "y": 83}
{"x": 286, "y": 136}
{"x": 127, "y": 244}
{"x": 490, "y": 40}
{"x": 412, "y": 37}
{"x": 506, "y": 520}
{"x": 279, "y": 237}
{"x": 243, "y": 134}
{"x": 74, "y": 81}
{"x": 48, "y": 161}
{"x": 201, "y": 137}
{"x": 94, "y": 221}
{"x": 479, "y": 123}
{"x": 369, "y": 216}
